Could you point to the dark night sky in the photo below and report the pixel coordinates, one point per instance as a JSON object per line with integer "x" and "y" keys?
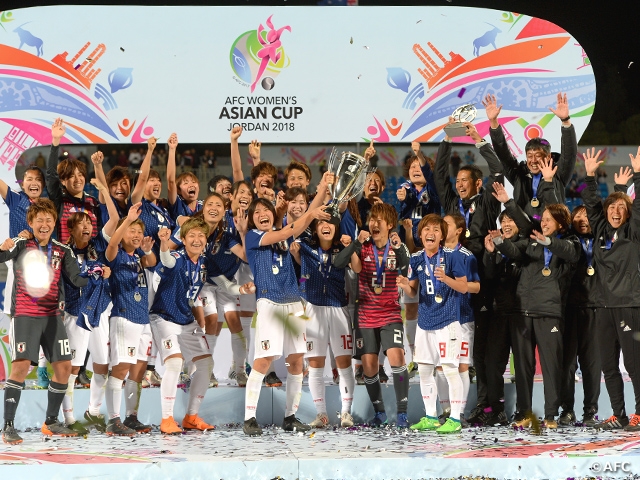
{"x": 607, "y": 30}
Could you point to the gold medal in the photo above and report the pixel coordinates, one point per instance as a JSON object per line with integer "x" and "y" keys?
{"x": 377, "y": 289}
{"x": 535, "y": 203}
{"x": 590, "y": 270}
{"x": 546, "y": 271}
{"x": 467, "y": 233}
{"x": 137, "y": 297}
{"x": 275, "y": 269}
{"x": 191, "y": 302}
{"x": 438, "y": 298}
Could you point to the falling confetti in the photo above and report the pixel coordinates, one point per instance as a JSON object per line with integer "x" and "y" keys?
{"x": 630, "y": 63}
{"x": 89, "y": 59}
{"x": 359, "y": 76}
{"x": 539, "y": 46}
{"x": 312, "y": 435}
{"x": 122, "y": 49}
{"x": 351, "y": 41}
{"x": 364, "y": 46}
{"x": 77, "y": 66}
{"x": 462, "y": 92}
{"x": 418, "y": 21}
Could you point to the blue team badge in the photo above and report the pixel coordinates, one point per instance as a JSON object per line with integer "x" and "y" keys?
{"x": 265, "y": 344}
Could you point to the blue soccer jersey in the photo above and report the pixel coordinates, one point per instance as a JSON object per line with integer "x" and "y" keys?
{"x": 229, "y": 225}
{"x": 220, "y": 259}
{"x": 321, "y": 283}
{"x": 272, "y": 267}
{"x": 179, "y": 287}
{"x": 129, "y": 287}
{"x": 18, "y": 202}
{"x": 419, "y": 203}
{"x": 433, "y": 314}
{"x": 471, "y": 264}
{"x": 180, "y": 208}
{"x": 103, "y": 212}
{"x": 154, "y": 218}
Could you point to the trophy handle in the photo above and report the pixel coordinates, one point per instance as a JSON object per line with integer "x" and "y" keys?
{"x": 359, "y": 189}
{"x": 330, "y": 166}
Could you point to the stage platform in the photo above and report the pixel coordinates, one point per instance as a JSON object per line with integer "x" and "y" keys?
{"x": 360, "y": 452}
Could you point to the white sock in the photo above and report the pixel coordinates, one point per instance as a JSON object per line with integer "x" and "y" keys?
{"x": 410, "y": 333}
{"x": 347, "y": 386}
{"x": 455, "y": 389}
{"x": 466, "y": 382}
{"x": 316, "y": 387}
{"x": 428, "y": 389}
{"x": 239, "y": 350}
{"x": 113, "y": 397}
{"x": 132, "y": 392}
{"x": 294, "y": 392}
{"x": 96, "y": 392}
{"x": 169, "y": 385}
{"x": 443, "y": 390}
{"x": 42, "y": 360}
{"x": 251, "y": 396}
{"x": 246, "y": 329}
{"x": 67, "y": 401}
{"x": 199, "y": 384}
{"x": 212, "y": 340}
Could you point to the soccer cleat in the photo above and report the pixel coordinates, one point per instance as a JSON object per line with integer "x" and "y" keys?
{"x": 359, "y": 374}
{"x": 77, "y": 426}
{"x": 213, "y": 381}
{"x": 402, "y": 421}
{"x": 321, "y": 421}
{"x": 151, "y": 379}
{"x": 117, "y": 429}
{"x": 194, "y": 422}
{"x": 133, "y": 423}
{"x": 272, "y": 380}
{"x": 336, "y": 376}
{"x": 82, "y": 380}
{"x": 472, "y": 374}
{"x": 612, "y": 423}
{"x": 241, "y": 379}
{"x": 97, "y": 421}
{"x": 497, "y": 419}
{"x": 184, "y": 381}
{"x": 251, "y": 427}
{"x": 346, "y": 420}
{"x": 589, "y": 419}
{"x": 232, "y": 372}
{"x": 567, "y": 418}
{"x": 634, "y": 424}
{"x": 379, "y": 419}
{"x": 522, "y": 420}
{"x": 382, "y": 375}
{"x": 412, "y": 368}
{"x": 463, "y": 421}
{"x": 479, "y": 415}
{"x": 57, "y": 429}
{"x": 43, "y": 378}
{"x": 450, "y": 426}
{"x": 10, "y": 435}
{"x": 550, "y": 422}
{"x": 444, "y": 415}
{"x": 426, "y": 423}
{"x": 292, "y": 424}
{"x": 169, "y": 426}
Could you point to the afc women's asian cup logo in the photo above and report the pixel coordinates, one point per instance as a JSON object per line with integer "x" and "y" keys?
{"x": 257, "y": 56}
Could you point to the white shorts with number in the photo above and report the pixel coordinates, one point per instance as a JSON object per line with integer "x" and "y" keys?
{"x": 328, "y": 326}
{"x": 217, "y": 300}
{"x": 248, "y": 301}
{"x": 439, "y": 346}
{"x": 466, "y": 346}
{"x": 172, "y": 338}
{"x": 279, "y": 329}
{"x": 95, "y": 340}
{"x": 129, "y": 342}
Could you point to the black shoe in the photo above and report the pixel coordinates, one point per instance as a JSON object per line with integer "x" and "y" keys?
{"x": 496, "y": 419}
{"x": 613, "y": 423}
{"x": 10, "y": 435}
{"x": 83, "y": 380}
{"x": 442, "y": 418}
{"x": 382, "y": 375}
{"x": 251, "y": 427}
{"x": 134, "y": 424}
{"x": 589, "y": 419}
{"x": 478, "y": 415}
{"x": 292, "y": 424}
{"x": 272, "y": 380}
{"x": 472, "y": 374}
{"x": 634, "y": 423}
{"x": 116, "y": 428}
{"x": 567, "y": 418}
{"x": 359, "y": 374}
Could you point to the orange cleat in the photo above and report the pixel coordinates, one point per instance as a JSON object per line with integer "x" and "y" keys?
{"x": 170, "y": 427}
{"x": 58, "y": 429}
{"x": 194, "y": 422}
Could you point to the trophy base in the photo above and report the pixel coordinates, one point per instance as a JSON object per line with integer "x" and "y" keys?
{"x": 456, "y": 129}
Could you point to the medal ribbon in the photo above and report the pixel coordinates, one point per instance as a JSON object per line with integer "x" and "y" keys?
{"x": 547, "y": 257}
{"x": 135, "y": 265}
{"x": 609, "y": 242}
{"x": 430, "y": 268}
{"x": 380, "y": 267}
{"x": 463, "y": 213}
{"x": 535, "y": 184}
{"x": 587, "y": 246}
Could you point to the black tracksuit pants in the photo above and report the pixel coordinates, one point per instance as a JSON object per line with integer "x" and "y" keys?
{"x": 480, "y": 339}
{"x": 580, "y": 346}
{"x": 546, "y": 333}
{"x": 616, "y": 328}
{"x": 497, "y": 358}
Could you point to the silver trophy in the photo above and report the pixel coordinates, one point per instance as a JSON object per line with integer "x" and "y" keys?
{"x": 351, "y": 171}
{"x": 465, "y": 113}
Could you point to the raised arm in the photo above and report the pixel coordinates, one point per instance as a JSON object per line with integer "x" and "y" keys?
{"x": 110, "y": 226}
{"x": 589, "y": 194}
{"x": 568, "y": 249}
{"x": 634, "y": 221}
{"x": 97, "y": 159}
{"x": 141, "y": 184}
{"x": 296, "y": 228}
{"x": 622, "y": 178}
{"x": 448, "y": 196}
{"x": 236, "y": 159}
{"x": 498, "y": 140}
{"x": 172, "y": 188}
{"x": 114, "y": 242}
{"x": 54, "y": 188}
{"x": 513, "y": 250}
{"x": 351, "y": 253}
{"x": 569, "y": 143}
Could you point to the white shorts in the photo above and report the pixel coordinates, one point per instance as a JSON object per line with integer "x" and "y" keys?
{"x": 172, "y": 338}
{"x": 217, "y": 300}
{"x": 248, "y": 301}
{"x": 466, "y": 346}
{"x": 8, "y": 288}
{"x": 407, "y": 299}
{"x": 436, "y": 347}
{"x": 279, "y": 329}
{"x": 95, "y": 340}
{"x": 328, "y": 326}
{"x": 129, "y": 341}
{"x": 153, "y": 281}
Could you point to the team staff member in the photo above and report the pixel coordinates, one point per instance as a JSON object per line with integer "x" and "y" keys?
{"x": 377, "y": 256}
{"x": 548, "y": 259}
{"x": 616, "y": 232}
